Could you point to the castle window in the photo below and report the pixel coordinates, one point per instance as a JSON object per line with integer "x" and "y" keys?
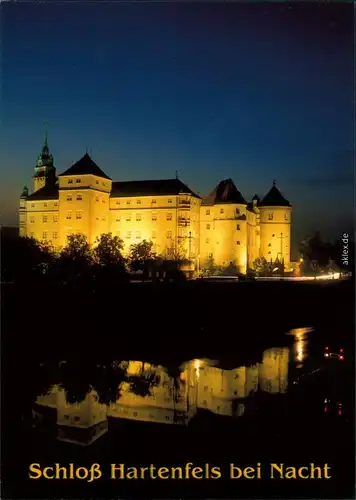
{"x": 55, "y": 218}
{"x": 45, "y": 218}
{"x": 269, "y": 253}
{"x": 169, "y": 234}
{"x": 134, "y": 413}
{"x": 138, "y": 235}
{"x": 269, "y": 244}
{"x": 79, "y": 215}
{"x": 167, "y": 417}
{"x": 270, "y": 216}
{"x": 118, "y": 218}
{"x": 138, "y": 202}
{"x": 207, "y": 212}
{"x": 56, "y": 204}
{"x": 79, "y": 197}
{"x": 206, "y": 388}
{"x": 207, "y": 240}
{"x": 169, "y": 201}
{"x": 32, "y": 205}
{"x": 273, "y": 235}
{"x": 154, "y": 217}
{"x": 55, "y": 236}
{"x": 237, "y": 243}
{"x": 128, "y": 202}
{"x": 169, "y": 216}
{"x": 128, "y": 218}
{"x": 96, "y": 182}
{"x": 69, "y": 198}
{"x": 32, "y": 235}
{"x": 45, "y": 205}
{"x": 70, "y": 181}
{"x": 45, "y": 235}
{"x": 117, "y": 203}
{"x": 221, "y": 210}
{"x": 285, "y": 217}
{"x": 32, "y": 220}
{"x": 237, "y": 227}
{"x": 128, "y": 234}
{"x": 218, "y": 409}
{"x": 153, "y": 201}
{"x": 237, "y": 211}
{"x": 69, "y": 215}
{"x": 208, "y": 226}
{"x": 154, "y": 235}
{"x": 77, "y": 181}
{"x": 138, "y": 217}
{"x": 96, "y": 198}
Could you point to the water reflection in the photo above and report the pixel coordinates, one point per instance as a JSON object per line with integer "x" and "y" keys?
{"x": 301, "y": 341}
{"x": 152, "y": 393}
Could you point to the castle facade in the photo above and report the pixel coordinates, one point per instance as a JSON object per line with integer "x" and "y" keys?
{"x": 222, "y": 227}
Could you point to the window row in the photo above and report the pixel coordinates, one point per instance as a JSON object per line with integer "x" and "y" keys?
{"x": 208, "y": 226}
{"x": 207, "y": 241}
{"x": 138, "y": 202}
{"x": 128, "y": 217}
{"x": 78, "y": 197}
{"x": 129, "y": 234}
{"x": 45, "y": 218}
{"x": 237, "y": 211}
{"x": 78, "y": 181}
{"x": 45, "y": 204}
{"x": 45, "y": 235}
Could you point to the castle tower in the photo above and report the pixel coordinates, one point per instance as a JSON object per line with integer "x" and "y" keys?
{"x": 45, "y": 172}
{"x": 275, "y": 227}
{"x": 84, "y": 195}
{"x": 22, "y": 212}
{"x": 223, "y": 227}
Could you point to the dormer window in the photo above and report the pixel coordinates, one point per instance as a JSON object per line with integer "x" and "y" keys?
{"x": 79, "y": 197}
{"x": 77, "y": 181}
{"x": 138, "y": 202}
{"x": 128, "y": 202}
{"x": 69, "y": 198}
{"x": 70, "y": 181}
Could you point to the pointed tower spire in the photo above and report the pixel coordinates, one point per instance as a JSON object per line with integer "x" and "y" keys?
{"x": 46, "y": 135}
{"x": 274, "y": 182}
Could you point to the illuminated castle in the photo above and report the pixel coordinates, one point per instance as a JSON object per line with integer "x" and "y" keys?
{"x": 223, "y": 226}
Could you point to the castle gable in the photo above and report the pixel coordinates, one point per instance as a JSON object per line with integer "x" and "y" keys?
{"x": 274, "y": 198}
{"x": 85, "y": 166}
{"x": 225, "y": 192}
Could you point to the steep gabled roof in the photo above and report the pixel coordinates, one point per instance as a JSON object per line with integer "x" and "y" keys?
{"x": 225, "y": 192}
{"x": 274, "y": 198}
{"x": 160, "y": 187}
{"x": 48, "y": 192}
{"x": 85, "y": 166}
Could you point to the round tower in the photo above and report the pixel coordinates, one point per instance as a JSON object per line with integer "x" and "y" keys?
{"x": 275, "y": 227}
{"x": 22, "y": 212}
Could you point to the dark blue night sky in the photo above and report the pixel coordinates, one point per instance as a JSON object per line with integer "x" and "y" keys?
{"x": 253, "y": 92}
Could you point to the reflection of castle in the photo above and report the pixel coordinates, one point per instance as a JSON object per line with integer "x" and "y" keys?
{"x": 202, "y": 385}
{"x": 222, "y": 226}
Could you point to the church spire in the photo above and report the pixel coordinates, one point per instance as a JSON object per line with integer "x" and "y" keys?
{"x": 45, "y": 136}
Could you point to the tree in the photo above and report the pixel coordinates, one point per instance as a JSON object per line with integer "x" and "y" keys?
{"x": 75, "y": 259}
{"x": 141, "y": 255}
{"x": 209, "y": 268}
{"x": 108, "y": 250}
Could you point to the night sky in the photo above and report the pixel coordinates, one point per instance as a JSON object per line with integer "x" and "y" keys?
{"x": 253, "y": 92}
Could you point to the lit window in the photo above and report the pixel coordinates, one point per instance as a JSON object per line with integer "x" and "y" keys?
{"x": 134, "y": 413}
{"x": 69, "y": 198}
{"x": 138, "y": 217}
{"x": 128, "y": 217}
{"x": 55, "y": 236}
{"x": 207, "y": 212}
{"x": 45, "y": 204}
{"x": 138, "y": 202}
{"x": 70, "y": 181}
{"x": 117, "y": 203}
{"x": 269, "y": 244}
{"x": 269, "y": 253}
{"x": 237, "y": 211}
{"x": 128, "y": 234}
{"x": 45, "y": 218}
{"x": 96, "y": 182}
{"x": 32, "y": 205}
{"x": 208, "y": 226}
{"x": 207, "y": 240}
{"x": 270, "y": 216}
{"x": 56, "y": 204}
{"x": 79, "y": 215}
{"x": 32, "y": 220}
{"x": 169, "y": 201}
{"x": 45, "y": 235}
{"x": 154, "y": 235}
{"x": 77, "y": 181}
{"x": 169, "y": 234}
{"x": 69, "y": 215}
{"x": 128, "y": 202}
{"x": 169, "y": 216}
{"x": 285, "y": 217}
{"x": 118, "y": 218}
{"x": 32, "y": 235}
{"x": 221, "y": 210}
{"x": 237, "y": 243}
{"x": 55, "y": 218}
{"x": 238, "y": 227}
{"x": 273, "y": 235}
{"x": 96, "y": 198}
{"x": 79, "y": 197}
{"x": 153, "y": 201}
{"x": 154, "y": 217}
